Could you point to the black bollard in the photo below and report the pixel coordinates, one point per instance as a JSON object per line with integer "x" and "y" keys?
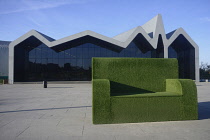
{"x": 45, "y": 83}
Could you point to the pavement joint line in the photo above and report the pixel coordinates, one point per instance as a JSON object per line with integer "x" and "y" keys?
{"x": 85, "y": 117}
{"x": 83, "y": 124}
{"x": 67, "y": 110}
{"x": 59, "y": 122}
{"x": 83, "y": 129}
{"x": 143, "y": 130}
{"x": 7, "y": 123}
{"x": 23, "y": 131}
{"x": 70, "y": 105}
{"x": 41, "y": 116}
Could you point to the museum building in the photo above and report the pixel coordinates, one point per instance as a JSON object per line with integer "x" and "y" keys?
{"x": 37, "y": 57}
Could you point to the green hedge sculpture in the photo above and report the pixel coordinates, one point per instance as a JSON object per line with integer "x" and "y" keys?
{"x": 130, "y": 90}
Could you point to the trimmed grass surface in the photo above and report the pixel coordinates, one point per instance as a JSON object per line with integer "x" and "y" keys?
{"x": 129, "y": 90}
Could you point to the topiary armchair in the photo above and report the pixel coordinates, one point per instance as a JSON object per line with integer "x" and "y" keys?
{"x": 130, "y": 90}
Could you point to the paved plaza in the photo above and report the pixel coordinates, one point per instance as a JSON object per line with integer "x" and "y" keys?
{"x": 63, "y": 112}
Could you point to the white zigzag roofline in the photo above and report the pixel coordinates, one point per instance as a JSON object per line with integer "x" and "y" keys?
{"x": 154, "y": 27}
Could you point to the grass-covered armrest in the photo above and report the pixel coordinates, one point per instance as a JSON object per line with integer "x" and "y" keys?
{"x": 101, "y": 100}
{"x": 186, "y": 88}
{"x": 174, "y": 86}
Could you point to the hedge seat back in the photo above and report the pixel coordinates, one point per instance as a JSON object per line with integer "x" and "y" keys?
{"x": 135, "y": 75}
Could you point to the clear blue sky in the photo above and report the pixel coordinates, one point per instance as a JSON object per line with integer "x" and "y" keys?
{"x": 61, "y": 18}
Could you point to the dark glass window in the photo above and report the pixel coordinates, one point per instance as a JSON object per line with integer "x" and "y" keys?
{"x": 185, "y": 53}
{"x": 37, "y": 63}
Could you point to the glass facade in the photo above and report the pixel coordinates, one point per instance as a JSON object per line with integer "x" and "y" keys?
{"x": 185, "y": 53}
{"x": 35, "y": 61}
{"x": 72, "y": 64}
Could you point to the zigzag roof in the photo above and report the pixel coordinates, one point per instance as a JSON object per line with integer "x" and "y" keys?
{"x": 150, "y": 31}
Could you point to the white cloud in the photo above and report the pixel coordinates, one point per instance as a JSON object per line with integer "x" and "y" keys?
{"x": 205, "y": 19}
{"x": 34, "y": 21}
{"x": 28, "y": 5}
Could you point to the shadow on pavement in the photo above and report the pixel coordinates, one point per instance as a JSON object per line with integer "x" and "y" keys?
{"x": 44, "y": 109}
{"x": 203, "y": 110}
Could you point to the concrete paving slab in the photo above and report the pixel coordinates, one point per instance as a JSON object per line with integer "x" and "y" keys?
{"x": 64, "y": 111}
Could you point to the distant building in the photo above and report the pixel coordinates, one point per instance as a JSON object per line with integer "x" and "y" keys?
{"x": 4, "y": 53}
{"x": 35, "y": 56}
